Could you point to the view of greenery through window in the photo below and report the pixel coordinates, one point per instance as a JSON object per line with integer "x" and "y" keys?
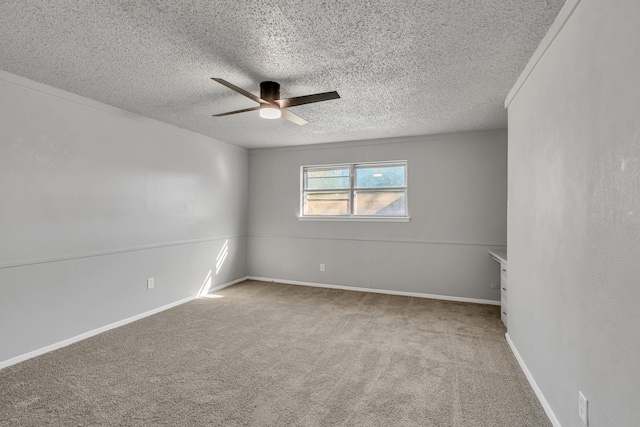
{"x": 355, "y": 190}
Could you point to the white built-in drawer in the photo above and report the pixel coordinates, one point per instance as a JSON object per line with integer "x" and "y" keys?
{"x": 503, "y": 293}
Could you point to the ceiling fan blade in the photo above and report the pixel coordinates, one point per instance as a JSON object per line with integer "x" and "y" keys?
{"x": 307, "y": 99}
{"x": 286, "y": 114}
{"x": 240, "y": 91}
{"x": 237, "y": 111}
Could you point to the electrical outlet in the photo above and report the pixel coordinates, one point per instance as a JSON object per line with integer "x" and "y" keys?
{"x": 583, "y": 408}
{"x": 150, "y": 283}
{"x": 495, "y": 286}
{"x": 321, "y": 267}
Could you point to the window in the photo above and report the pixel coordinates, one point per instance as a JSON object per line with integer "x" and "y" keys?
{"x": 359, "y": 191}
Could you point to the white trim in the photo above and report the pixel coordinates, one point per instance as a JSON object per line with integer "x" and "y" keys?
{"x": 11, "y": 264}
{"x": 534, "y": 385}
{"x": 377, "y": 291}
{"x": 356, "y": 218}
{"x": 83, "y": 336}
{"x": 97, "y": 105}
{"x": 355, "y": 164}
{"x": 359, "y": 239}
{"x": 226, "y": 285}
{"x": 555, "y": 29}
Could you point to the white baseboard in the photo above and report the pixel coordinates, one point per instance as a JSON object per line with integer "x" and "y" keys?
{"x": 534, "y": 385}
{"x": 377, "y": 291}
{"x": 226, "y": 285}
{"x": 64, "y": 343}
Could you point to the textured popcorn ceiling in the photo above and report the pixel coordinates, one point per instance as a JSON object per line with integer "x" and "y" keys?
{"x": 401, "y": 67}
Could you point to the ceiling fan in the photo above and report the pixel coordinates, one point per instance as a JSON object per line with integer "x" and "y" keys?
{"x": 271, "y": 106}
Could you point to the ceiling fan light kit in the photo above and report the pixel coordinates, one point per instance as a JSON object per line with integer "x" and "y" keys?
{"x": 271, "y": 106}
{"x": 269, "y": 112}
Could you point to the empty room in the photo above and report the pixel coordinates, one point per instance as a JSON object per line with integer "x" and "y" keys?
{"x": 320, "y": 213}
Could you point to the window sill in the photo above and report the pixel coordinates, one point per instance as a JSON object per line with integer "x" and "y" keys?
{"x": 356, "y": 219}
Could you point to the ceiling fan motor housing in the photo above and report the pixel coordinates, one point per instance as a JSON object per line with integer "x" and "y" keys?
{"x": 271, "y": 106}
{"x": 270, "y": 91}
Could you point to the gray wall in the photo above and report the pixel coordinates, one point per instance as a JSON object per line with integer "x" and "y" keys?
{"x": 574, "y": 216}
{"x": 457, "y": 204}
{"x": 95, "y": 200}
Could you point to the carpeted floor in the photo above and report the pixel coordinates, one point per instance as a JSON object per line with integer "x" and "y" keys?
{"x": 267, "y": 354}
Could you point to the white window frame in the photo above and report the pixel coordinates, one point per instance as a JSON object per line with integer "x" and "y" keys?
{"x": 352, "y": 190}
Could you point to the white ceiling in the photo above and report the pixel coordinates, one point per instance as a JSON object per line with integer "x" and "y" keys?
{"x": 401, "y": 67}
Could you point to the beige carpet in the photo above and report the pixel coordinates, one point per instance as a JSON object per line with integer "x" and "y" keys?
{"x": 268, "y": 354}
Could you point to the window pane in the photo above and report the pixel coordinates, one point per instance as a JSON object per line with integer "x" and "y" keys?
{"x": 327, "y": 179}
{"x": 381, "y": 203}
{"x": 380, "y": 177}
{"x": 326, "y": 203}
